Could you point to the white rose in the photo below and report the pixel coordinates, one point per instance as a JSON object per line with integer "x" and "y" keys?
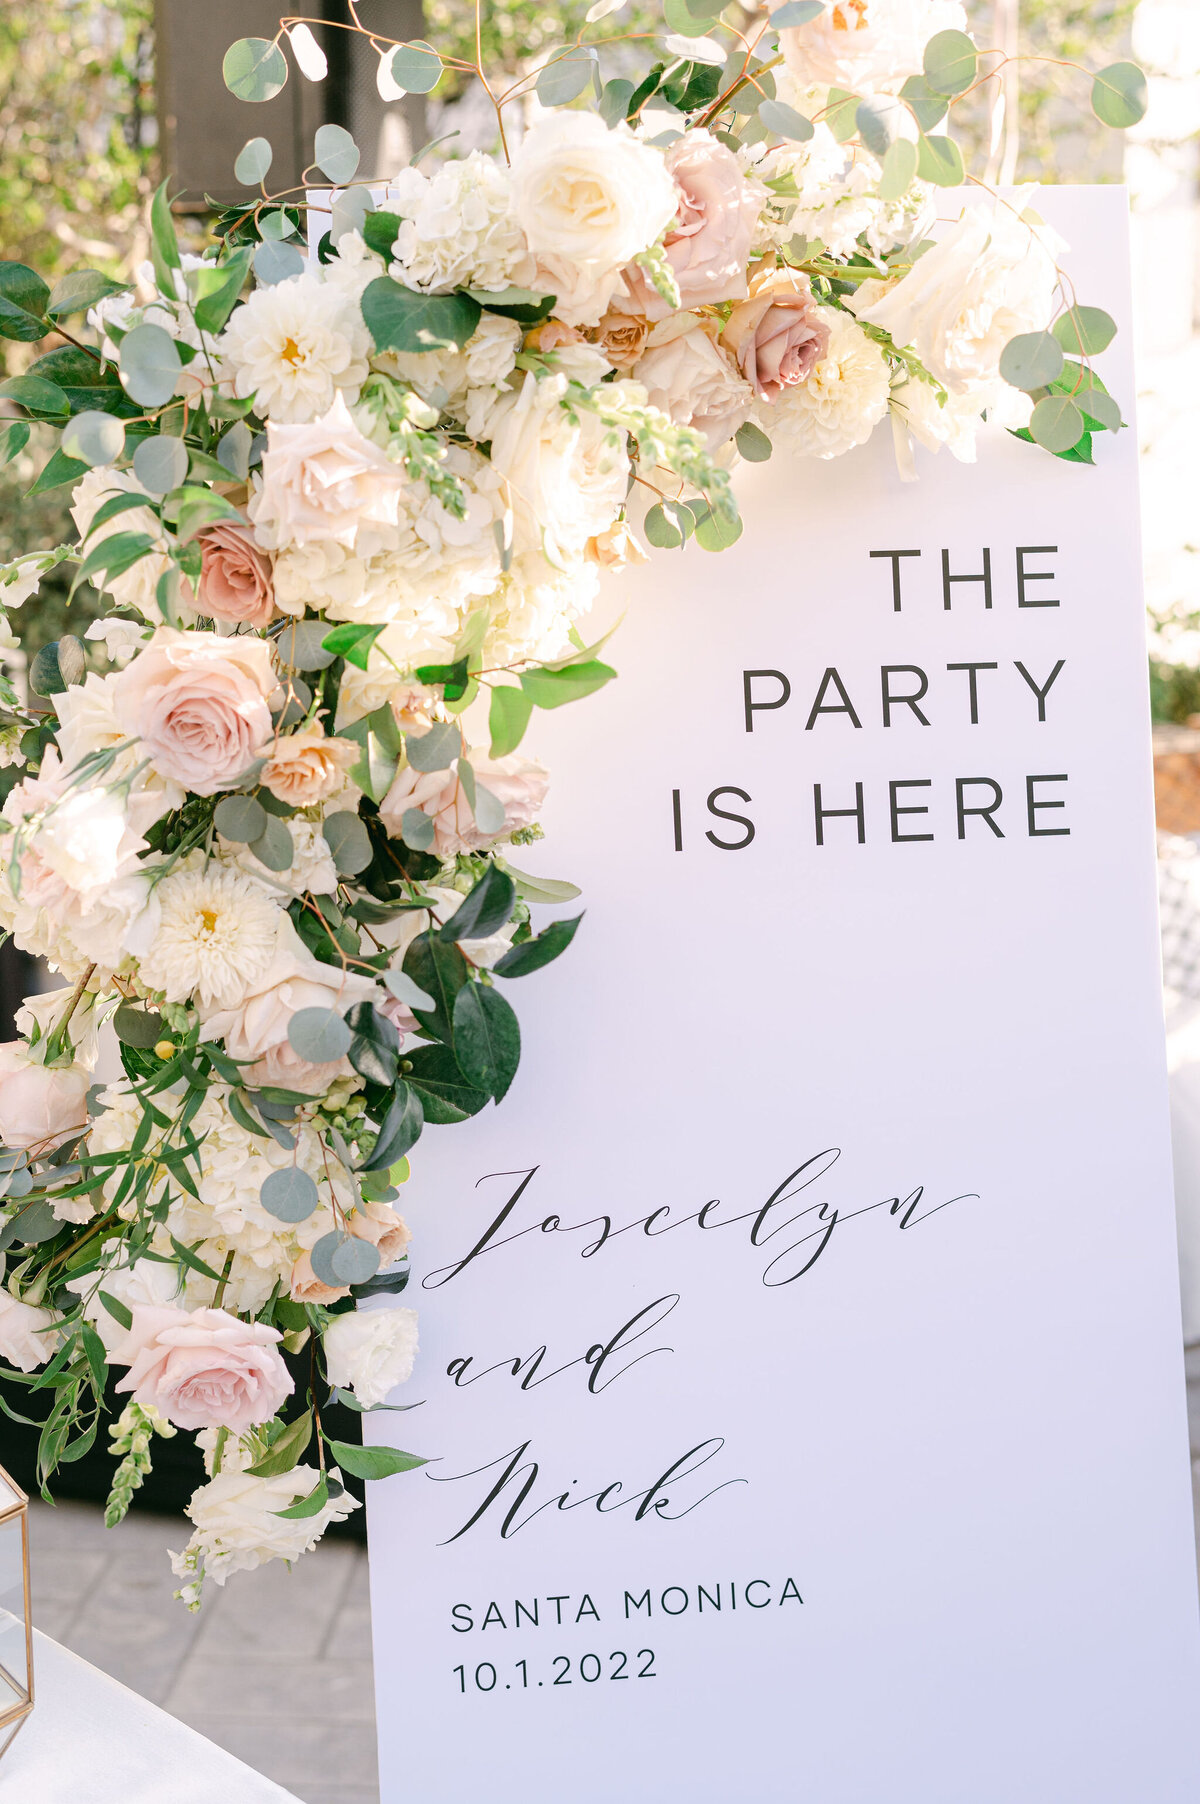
{"x": 589, "y": 200}
{"x": 371, "y": 1351}
{"x": 147, "y": 1284}
{"x": 27, "y": 1339}
{"x": 566, "y": 477}
{"x": 865, "y": 44}
{"x": 238, "y": 1527}
{"x": 990, "y": 276}
{"x": 323, "y": 481}
{"x": 40, "y": 1105}
{"x": 689, "y": 376}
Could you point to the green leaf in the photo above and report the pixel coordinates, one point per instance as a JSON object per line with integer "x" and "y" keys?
{"x": 753, "y": 443}
{"x": 508, "y": 717}
{"x": 552, "y": 688}
{"x": 484, "y": 910}
{"x": 539, "y": 951}
{"x": 160, "y": 463}
{"x": 565, "y": 77}
{"x": 445, "y": 1094}
{"x": 254, "y": 69}
{"x": 216, "y": 288}
{"x": 453, "y": 678}
{"x": 37, "y": 396}
{"x": 417, "y": 829}
{"x": 352, "y": 642}
{"x": 373, "y": 1462}
{"x": 194, "y": 507}
{"x": 841, "y": 114}
{"x": 1032, "y": 360}
{"x": 301, "y": 645}
{"x": 487, "y": 1038}
{"x": 785, "y": 121}
{"x": 284, "y": 1453}
{"x": 14, "y": 436}
{"x": 927, "y": 107}
{"x": 164, "y": 245}
{"x": 1119, "y": 95}
{"x": 435, "y": 750}
{"x": 312, "y": 1505}
{"x": 1056, "y": 424}
{"x": 380, "y": 230}
{"x": 275, "y": 262}
{"x": 150, "y": 365}
{"x": 899, "y": 170}
{"x": 79, "y": 291}
{"x": 336, "y": 154}
{"x": 138, "y": 1026}
{"x": 274, "y": 846}
{"x": 416, "y": 67}
{"x": 253, "y": 161}
{"x": 1085, "y": 331}
{"x": 439, "y": 969}
{"x": 682, "y": 20}
{"x": 716, "y": 531}
{"x": 23, "y": 298}
{"x": 951, "y": 62}
{"x": 57, "y": 472}
{"x": 375, "y": 1047}
{"x": 542, "y": 889}
{"x": 522, "y": 304}
{"x": 402, "y": 319}
{"x": 939, "y": 161}
{"x": 122, "y": 1316}
{"x": 399, "y": 1131}
{"x": 114, "y": 555}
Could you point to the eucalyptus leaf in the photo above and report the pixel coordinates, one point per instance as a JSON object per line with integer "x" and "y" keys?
{"x": 416, "y": 67}
{"x": 355, "y": 1260}
{"x": 1056, "y": 423}
{"x": 150, "y": 365}
{"x": 336, "y": 154}
{"x": 254, "y": 69}
{"x": 233, "y": 452}
{"x": 138, "y": 1027}
{"x": 951, "y": 62}
{"x": 406, "y": 991}
{"x": 253, "y": 161}
{"x": 1119, "y": 95}
{"x": 564, "y": 79}
{"x": 1031, "y": 360}
{"x": 785, "y": 121}
{"x": 1085, "y": 331}
{"x": 899, "y": 170}
{"x": 94, "y": 438}
{"x": 240, "y": 818}
{"x": 275, "y": 262}
{"x": 796, "y": 12}
{"x": 753, "y": 443}
{"x": 160, "y": 463}
{"x": 300, "y": 645}
{"x": 435, "y": 750}
{"x": 542, "y": 889}
{"x": 348, "y": 842}
{"x": 319, "y": 1035}
{"x": 274, "y": 846}
{"x": 939, "y": 160}
{"x": 289, "y": 1194}
{"x": 417, "y": 829}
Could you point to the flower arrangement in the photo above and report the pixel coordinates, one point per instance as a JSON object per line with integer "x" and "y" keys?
{"x": 350, "y": 507}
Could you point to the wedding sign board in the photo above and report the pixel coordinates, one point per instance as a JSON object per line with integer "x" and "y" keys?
{"x": 800, "y": 1354}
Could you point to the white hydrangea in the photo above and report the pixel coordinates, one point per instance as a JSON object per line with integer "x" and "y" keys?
{"x": 447, "y": 379}
{"x": 843, "y": 400}
{"x": 459, "y": 228}
{"x": 535, "y": 607}
{"x": 296, "y": 346}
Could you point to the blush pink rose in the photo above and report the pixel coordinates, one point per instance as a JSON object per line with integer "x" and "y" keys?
{"x": 207, "y": 1369}
{"x": 708, "y": 246}
{"x": 40, "y": 1105}
{"x": 518, "y": 784}
{"x": 235, "y": 577}
{"x": 776, "y": 336}
{"x": 198, "y": 703}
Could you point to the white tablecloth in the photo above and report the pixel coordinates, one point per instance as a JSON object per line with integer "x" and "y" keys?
{"x": 91, "y": 1741}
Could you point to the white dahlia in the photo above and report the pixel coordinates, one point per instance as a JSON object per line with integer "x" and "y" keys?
{"x": 215, "y": 936}
{"x": 843, "y": 400}
{"x": 296, "y": 346}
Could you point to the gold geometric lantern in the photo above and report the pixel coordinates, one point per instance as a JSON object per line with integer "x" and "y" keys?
{"x": 16, "y": 1630}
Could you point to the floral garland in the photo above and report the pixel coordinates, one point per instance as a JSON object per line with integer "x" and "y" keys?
{"x": 350, "y": 509}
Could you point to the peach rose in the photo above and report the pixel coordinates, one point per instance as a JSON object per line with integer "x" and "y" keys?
{"x": 709, "y": 244}
{"x": 518, "y": 784}
{"x": 379, "y": 1223}
{"x": 198, "y": 703}
{"x": 617, "y": 546}
{"x": 207, "y": 1369}
{"x": 777, "y": 336}
{"x": 304, "y": 768}
{"x": 306, "y": 1287}
{"x": 621, "y": 334}
{"x": 40, "y": 1105}
{"x": 321, "y": 482}
{"x": 257, "y": 1029}
{"x": 235, "y": 577}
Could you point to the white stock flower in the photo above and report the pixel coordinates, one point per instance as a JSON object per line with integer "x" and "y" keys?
{"x": 843, "y": 400}
{"x": 27, "y": 1337}
{"x": 990, "y": 276}
{"x": 371, "y": 1351}
{"x": 121, "y": 639}
{"x": 296, "y": 347}
{"x": 954, "y": 422}
{"x": 238, "y": 1525}
{"x": 866, "y": 44}
{"x": 589, "y": 200}
{"x": 458, "y": 228}
{"x": 215, "y": 935}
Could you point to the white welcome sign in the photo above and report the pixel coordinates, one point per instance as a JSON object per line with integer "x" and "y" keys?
{"x": 800, "y": 1361}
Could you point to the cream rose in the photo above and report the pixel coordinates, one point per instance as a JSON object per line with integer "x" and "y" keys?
{"x": 517, "y": 783}
{"x": 235, "y": 577}
{"x": 40, "y": 1105}
{"x": 306, "y": 768}
{"x": 27, "y": 1336}
{"x": 691, "y": 377}
{"x": 589, "y": 200}
{"x": 207, "y": 1369}
{"x": 321, "y": 482}
{"x": 257, "y": 1028}
{"x": 198, "y": 703}
{"x": 371, "y": 1351}
{"x": 566, "y": 477}
{"x": 989, "y": 277}
{"x": 776, "y": 336}
{"x": 708, "y": 246}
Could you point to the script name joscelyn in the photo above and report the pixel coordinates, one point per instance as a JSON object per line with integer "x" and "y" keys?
{"x": 910, "y": 808}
